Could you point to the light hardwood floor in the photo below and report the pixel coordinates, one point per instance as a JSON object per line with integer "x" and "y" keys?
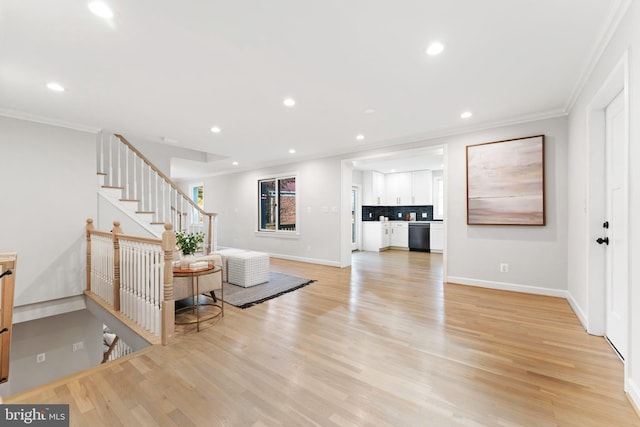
{"x": 383, "y": 343}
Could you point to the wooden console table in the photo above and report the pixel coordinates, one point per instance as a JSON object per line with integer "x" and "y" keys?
{"x": 195, "y": 274}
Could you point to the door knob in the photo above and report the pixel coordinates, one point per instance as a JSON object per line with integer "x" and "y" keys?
{"x": 601, "y": 240}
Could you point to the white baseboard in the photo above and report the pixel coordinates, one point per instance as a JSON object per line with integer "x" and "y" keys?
{"x": 633, "y": 392}
{"x": 307, "y": 260}
{"x": 25, "y": 313}
{"x": 582, "y": 317}
{"x": 514, "y": 287}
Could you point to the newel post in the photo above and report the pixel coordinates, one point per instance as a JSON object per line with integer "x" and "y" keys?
{"x": 116, "y": 264}
{"x": 209, "y": 234}
{"x": 89, "y": 229}
{"x": 168, "y": 304}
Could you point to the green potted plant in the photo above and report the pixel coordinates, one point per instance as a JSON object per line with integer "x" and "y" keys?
{"x": 188, "y": 244}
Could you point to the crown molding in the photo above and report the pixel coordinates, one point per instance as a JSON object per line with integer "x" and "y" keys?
{"x": 21, "y": 115}
{"x": 613, "y": 22}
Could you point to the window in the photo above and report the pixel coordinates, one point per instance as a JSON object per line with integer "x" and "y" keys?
{"x": 277, "y": 204}
{"x": 197, "y": 195}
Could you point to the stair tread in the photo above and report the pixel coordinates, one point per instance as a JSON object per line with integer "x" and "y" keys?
{"x": 129, "y": 200}
{"x": 101, "y": 173}
{"x": 109, "y": 186}
{"x": 145, "y": 212}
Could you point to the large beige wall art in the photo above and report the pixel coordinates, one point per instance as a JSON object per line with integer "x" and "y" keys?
{"x": 505, "y": 182}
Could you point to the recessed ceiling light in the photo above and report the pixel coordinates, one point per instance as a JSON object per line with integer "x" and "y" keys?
{"x": 360, "y": 137}
{"x": 215, "y": 129}
{"x": 235, "y": 163}
{"x": 100, "y": 9}
{"x": 442, "y": 165}
{"x": 393, "y": 170}
{"x": 466, "y": 114}
{"x": 292, "y": 151}
{"x": 289, "y": 102}
{"x": 369, "y": 111}
{"x": 56, "y": 87}
{"x": 435, "y": 48}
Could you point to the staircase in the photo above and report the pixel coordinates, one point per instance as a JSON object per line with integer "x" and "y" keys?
{"x": 145, "y": 194}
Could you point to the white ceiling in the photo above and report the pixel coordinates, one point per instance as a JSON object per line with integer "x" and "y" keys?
{"x": 173, "y": 69}
{"x": 431, "y": 158}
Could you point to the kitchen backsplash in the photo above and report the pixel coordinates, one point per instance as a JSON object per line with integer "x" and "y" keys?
{"x": 396, "y": 213}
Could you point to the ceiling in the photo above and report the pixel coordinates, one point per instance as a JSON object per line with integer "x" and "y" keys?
{"x": 431, "y": 158}
{"x": 166, "y": 69}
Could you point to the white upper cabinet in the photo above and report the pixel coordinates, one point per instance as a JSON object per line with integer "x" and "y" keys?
{"x": 392, "y": 189}
{"x": 398, "y": 188}
{"x": 422, "y": 188}
{"x": 372, "y": 188}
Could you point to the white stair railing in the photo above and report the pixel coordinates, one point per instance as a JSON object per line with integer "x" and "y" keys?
{"x": 102, "y": 265}
{"x": 133, "y": 276}
{"x": 141, "y": 282}
{"x": 126, "y": 168}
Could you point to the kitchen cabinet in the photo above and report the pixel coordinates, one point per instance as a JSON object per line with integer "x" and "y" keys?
{"x": 398, "y": 188}
{"x": 372, "y": 188}
{"x": 376, "y": 235}
{"x": 400, "y": 234}
{"x": 437, "y": 236}
{"x": 421, "y": 188}
{"x": 401, "y": 188}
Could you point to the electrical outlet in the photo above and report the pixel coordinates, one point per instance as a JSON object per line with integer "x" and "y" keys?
{"x": 504, "y": 268}
{"x": 77, "y": 346}
{"x": 41, "y": 357}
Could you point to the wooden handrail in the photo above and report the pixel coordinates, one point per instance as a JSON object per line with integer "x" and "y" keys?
{"x": 210, "y": 215}
{"x": 7, "y": 266}
{"x": 106, "y": 355}
{"x": 163, "y": 176}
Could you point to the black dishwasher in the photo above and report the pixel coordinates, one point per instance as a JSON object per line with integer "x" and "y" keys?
{"x": 419, "y": 236}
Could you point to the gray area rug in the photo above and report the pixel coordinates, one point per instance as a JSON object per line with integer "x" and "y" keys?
{"x": 277, "y": 285}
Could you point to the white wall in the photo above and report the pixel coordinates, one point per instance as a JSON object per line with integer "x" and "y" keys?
{"x": 48, "y": 181}
{"x": 108, "y": 212}
{"x": 161, "y": 154}
{"x": 55, "y": 337}
{"x": 235, "y": 198}
{"x": 625, "y": 40}
{"x": 537, "y": 256}
{"x": 356, "y": 177}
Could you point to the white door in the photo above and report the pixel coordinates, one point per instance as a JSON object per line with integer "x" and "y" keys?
{"x": 617, "y": 279}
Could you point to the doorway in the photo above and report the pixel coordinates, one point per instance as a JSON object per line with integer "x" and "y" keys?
{"x": 607, "y": 210}
{"x": 615, "y": 227}
{"x": 356, "y": 207}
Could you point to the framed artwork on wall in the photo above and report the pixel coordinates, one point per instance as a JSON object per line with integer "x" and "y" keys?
{"x": 505, "y": 182}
